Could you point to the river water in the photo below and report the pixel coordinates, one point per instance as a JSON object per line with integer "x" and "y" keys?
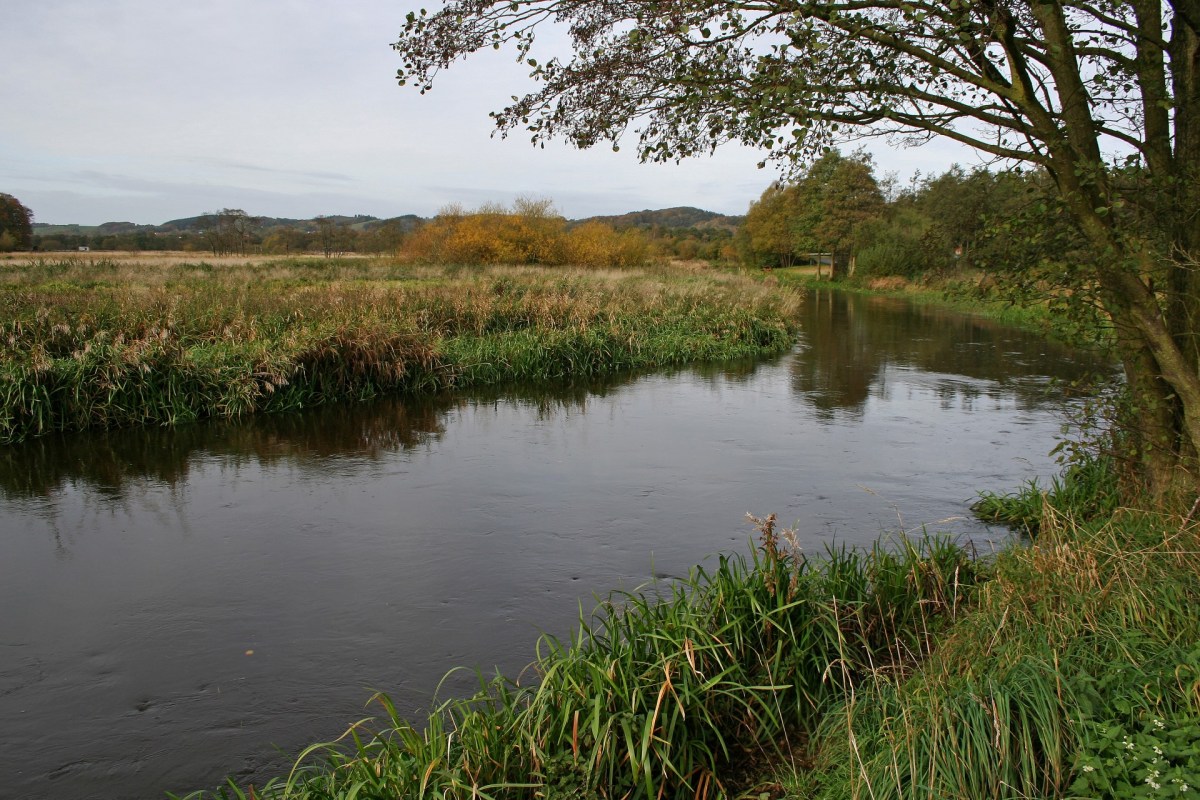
{"x": 180, "y": 605}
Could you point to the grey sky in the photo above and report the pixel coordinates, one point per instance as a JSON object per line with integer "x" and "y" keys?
{"x": 149, "y": 110}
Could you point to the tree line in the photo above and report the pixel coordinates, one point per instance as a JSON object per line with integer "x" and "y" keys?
{"x": 232, "y": 231}
{"x": 841, "y": 214}
{"x": 492, "y": 233}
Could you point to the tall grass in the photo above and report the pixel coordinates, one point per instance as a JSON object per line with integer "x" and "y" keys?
{"x": 1076, "y": 674}
{"x": 107, "y": 344}
{"x": 663, "y": 692}
{"x": 1087, "y": 489}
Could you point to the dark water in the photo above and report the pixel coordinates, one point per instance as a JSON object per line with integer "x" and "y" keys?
{"x": 174, "y": 605}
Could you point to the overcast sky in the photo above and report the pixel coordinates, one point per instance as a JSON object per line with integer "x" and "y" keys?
{"x": 150, "y": 110}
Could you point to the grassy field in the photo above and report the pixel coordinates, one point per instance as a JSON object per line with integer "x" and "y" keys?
{"x": 163, "y": 339}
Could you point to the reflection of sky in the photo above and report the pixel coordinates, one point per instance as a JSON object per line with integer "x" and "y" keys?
{"x": 381, "y": 568}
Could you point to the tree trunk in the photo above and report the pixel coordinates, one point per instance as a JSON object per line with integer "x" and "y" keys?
{"x": 1164, "y": 388}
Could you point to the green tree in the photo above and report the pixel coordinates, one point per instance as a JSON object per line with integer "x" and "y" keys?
{"x": 838, "y": 195}
{"x": 16, "y": 224}
{"x": 895, "y": 243}
{"x": 821, "y": 212}
{"x": 964, "y": 209}
{"x": 1103, "y": 95}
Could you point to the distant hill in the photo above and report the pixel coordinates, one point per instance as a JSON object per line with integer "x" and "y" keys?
{"x": 682, "y": 217}
{"x": 406, "y": 223}
{"x": 678, "y": 217}
{"x": 45, "y": 229}
{"x": 265, "y": 223}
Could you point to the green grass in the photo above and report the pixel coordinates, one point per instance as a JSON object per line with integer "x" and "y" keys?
{"x": 108, "y": 344}
{"x": 1075, "y": 674}
{"x": 666, "y": 692}
{"x": 1086, "y": 490}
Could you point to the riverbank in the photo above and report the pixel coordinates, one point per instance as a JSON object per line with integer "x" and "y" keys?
{"x": 1073, "y": 672}
{"x": 1066, "y": 667}
{"x": 110, "y": 343}
{"x": 976, "y": 295}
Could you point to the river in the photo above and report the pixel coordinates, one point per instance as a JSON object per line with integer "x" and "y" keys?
{"x": 183, "y": 604}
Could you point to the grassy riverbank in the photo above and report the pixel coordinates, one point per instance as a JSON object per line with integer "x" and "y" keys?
{"x": 1075, "y": 673}
{"x": 111, "y": 343}
{"x": 969, "y": 294}
{"x": 680, "y": 691}
{"x": 1066, "y": 668}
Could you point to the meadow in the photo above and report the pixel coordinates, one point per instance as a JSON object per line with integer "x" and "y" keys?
{"x": 163, "y": 340}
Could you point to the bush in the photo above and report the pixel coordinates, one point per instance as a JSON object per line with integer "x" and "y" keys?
{"x": 896, "y": 257}
{"x": 530, "y": 233}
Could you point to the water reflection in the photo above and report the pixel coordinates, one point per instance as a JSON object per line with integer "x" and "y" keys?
{"x": 853, "y": 345}
{"x": 113, "y": 463}
{"x": 108, "y": 462}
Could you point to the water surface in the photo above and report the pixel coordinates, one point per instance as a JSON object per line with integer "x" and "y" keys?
{"x": 178, "y": 604}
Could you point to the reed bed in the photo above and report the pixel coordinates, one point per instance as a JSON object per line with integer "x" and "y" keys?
{"x": 113, "y": 343}
{"x": 664, "y": 692}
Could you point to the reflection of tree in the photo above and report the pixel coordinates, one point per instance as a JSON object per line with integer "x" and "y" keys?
{"x": 849, "y": 341}
{"x": 740, "y": 371}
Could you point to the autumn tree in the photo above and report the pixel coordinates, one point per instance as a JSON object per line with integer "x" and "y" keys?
{"x": 284, "y": 239}
{"x": 770, "y": 228}
{"x": 16, "y": 224}
{"x": 1103, "y": 95}
{"x": 530, "y": 232}
{"x": 387, "y": 236}
{"x": 331, "y": 234}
